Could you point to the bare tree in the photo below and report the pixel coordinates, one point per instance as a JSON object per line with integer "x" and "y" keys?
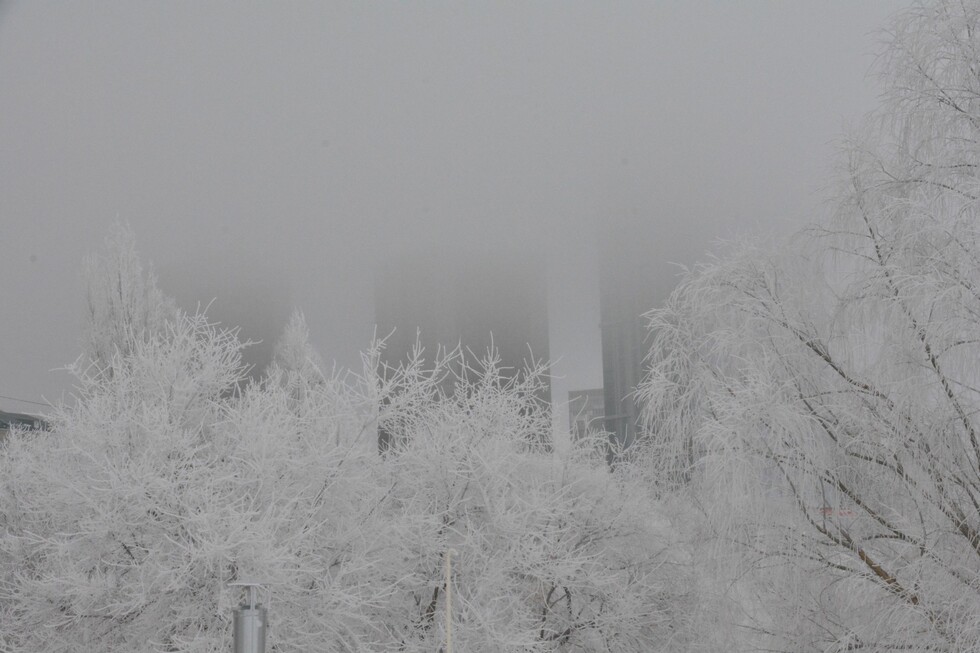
{"x": 820, "y": 404}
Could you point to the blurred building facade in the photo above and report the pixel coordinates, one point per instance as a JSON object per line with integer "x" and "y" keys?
{"x": 632, "y": 281}
{"x": 23, "y": 421}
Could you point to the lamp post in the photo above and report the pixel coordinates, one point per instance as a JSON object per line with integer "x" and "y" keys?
{"x": 449, "y": 600}
{"x": 250, "y": 622}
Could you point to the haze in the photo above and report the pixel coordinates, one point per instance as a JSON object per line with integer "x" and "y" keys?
{"x": 267, "y": 155}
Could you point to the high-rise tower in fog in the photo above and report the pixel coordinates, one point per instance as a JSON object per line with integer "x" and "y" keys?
{"x": 633, "y": 279}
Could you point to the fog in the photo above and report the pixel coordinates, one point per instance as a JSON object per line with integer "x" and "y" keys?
{"x": 268, "y": 156}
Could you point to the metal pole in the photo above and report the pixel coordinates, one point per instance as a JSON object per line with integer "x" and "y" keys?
{"x": 449, "y": 601}
{"x": 250, "y": 623}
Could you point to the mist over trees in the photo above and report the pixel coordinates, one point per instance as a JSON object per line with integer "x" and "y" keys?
{"x": 817, "y": 405}
{"x": 168, "y": 478}
{"x": 809, "y": 477}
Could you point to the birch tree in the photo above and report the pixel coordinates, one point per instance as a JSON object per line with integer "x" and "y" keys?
{"x": 819, "y": 404}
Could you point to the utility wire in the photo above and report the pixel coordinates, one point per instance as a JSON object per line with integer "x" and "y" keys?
{"x": 27, "y": 401}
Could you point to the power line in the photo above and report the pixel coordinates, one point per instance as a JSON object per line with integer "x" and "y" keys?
{"x": 27, "y": 401}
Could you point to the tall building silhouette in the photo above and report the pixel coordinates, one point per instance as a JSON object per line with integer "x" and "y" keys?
{"x": 474, "y": 298}
{"x": 633, "y": 279}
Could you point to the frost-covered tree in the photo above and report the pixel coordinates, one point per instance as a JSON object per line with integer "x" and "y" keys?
{"x": 820, "y": 405}
{"x": 294, "y": 356}
{"x": 123, "y": 303}
{"x": 159, "y": 485}
{"x": 551, "y": 551}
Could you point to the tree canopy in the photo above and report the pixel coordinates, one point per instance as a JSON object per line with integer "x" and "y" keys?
{"x": 819, "y": 402}
{"x": 168, "y": 478}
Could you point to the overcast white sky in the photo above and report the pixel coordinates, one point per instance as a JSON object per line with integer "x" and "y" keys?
{"x": 264, "y": 154}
